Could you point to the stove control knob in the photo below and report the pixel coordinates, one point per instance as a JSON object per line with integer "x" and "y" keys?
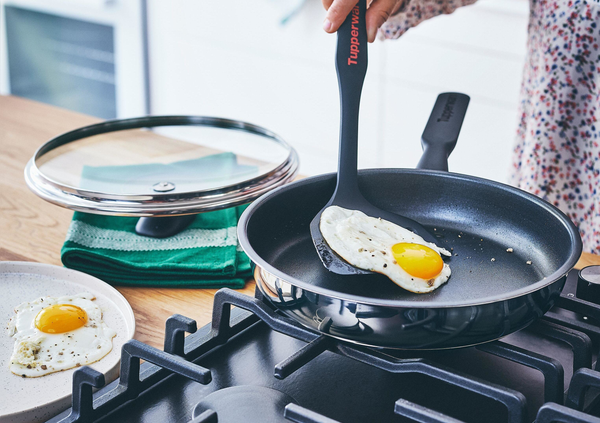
{"x": 588, "y": 284}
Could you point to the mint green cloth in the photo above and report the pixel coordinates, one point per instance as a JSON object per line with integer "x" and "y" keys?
{"x": 205, "y": 255}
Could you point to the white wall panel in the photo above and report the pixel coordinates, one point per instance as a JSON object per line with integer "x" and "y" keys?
{"x": 234, "y": 59}
{"x": 483, "y": 149}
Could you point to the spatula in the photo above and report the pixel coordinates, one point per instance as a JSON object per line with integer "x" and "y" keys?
{"x": 351, "y": 66}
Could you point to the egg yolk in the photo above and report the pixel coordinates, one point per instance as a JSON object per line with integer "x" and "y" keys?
{"x": 418, "y": 260}
{"x": 60, "y": 318}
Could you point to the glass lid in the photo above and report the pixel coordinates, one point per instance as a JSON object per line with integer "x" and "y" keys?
{"x": 160, "y": 166}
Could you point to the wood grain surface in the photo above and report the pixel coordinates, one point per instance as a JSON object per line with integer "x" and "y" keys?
{"x": 34, "y": 230}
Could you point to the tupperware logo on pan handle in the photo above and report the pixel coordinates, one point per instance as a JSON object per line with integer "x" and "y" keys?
{"x": 352, "y": 60}
{"x": 448, "y": 109}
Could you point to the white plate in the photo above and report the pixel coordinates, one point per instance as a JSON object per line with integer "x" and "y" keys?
{"x": 38, "y": 399}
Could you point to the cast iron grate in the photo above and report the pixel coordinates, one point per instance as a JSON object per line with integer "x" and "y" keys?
{"x": 179, "y": 352}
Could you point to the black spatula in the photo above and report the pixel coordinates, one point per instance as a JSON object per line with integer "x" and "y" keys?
{"x": 351, "y": 66}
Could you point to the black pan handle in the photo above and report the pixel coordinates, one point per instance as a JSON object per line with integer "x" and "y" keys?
{"x": 351, "y": 67}
{"x": 442, "y": 129}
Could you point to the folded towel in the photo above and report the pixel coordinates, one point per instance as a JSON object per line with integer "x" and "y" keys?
{"x": 205, "y": 255}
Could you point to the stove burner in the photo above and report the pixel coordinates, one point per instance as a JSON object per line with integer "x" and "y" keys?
{"x": 338, "y": 322}
{"x": 591, "y": 274}
{"x": 248, "y": 404}
{"x": 588, "y": 284}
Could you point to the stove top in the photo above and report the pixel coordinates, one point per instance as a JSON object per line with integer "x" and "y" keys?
{"x": 252, "y": 364}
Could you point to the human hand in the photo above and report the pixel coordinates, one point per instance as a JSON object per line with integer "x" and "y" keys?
{"x": 378, "y": 12}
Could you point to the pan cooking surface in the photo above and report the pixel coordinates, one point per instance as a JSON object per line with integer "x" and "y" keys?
{"x": 474, "y": 274}
{"x": 477, "y": 220}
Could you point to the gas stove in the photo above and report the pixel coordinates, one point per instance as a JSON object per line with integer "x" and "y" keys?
{"x": 252, "y": 364}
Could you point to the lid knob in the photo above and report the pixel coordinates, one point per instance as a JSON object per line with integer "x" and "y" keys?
{"x": 163, "y": 186}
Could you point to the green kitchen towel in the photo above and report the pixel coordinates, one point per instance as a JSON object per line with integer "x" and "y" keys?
{"x": 205, "y": 255}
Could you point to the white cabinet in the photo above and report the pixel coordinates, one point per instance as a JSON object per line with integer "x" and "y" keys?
{"x": 235, "y": 59}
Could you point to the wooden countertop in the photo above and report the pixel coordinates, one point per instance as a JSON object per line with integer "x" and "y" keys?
{"x": 34, "y": 230}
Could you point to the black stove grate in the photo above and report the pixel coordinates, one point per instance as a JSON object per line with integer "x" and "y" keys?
{"x": 180, "y": 353}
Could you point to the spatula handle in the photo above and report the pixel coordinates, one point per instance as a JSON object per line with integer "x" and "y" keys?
{"x": 351, "y": 66}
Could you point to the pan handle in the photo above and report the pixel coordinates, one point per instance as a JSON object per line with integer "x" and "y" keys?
{"x": 442, "y": 129}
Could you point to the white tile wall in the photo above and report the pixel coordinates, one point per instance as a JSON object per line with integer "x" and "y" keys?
{"x": 234, "y": 59}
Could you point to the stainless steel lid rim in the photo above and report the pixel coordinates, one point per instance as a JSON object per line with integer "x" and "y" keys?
{"x": 37, "y": 181}
{"x": 283, "y": 171}
{"x": 159, "y": 204}
{"x": 145, "y": 206}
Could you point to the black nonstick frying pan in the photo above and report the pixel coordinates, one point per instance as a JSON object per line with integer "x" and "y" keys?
{"x": 491, "y": 293}
{"x": 511, "y": 253}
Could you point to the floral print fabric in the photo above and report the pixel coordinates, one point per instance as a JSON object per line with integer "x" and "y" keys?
{"x": 557, "y": 149}
{"x": 413, "y": 12}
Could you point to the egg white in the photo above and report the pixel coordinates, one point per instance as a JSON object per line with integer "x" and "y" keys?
{"x": 366, "y": 242}
{"x": 36, "y": 353}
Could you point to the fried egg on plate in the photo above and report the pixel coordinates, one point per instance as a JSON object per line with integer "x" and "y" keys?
{"x": 57, "y": 333}
{"x": 380, "y": 246}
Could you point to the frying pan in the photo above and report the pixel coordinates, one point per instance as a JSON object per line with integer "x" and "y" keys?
{"x": 490, "y": 294}
{"x": 511, "y": 253}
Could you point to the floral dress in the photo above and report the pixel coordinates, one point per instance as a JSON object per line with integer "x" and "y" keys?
{"x": 557, "y": 151}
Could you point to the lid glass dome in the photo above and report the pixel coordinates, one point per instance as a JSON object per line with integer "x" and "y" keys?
{"x": 160, "y": 166}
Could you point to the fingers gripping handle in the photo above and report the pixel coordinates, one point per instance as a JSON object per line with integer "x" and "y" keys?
{"x": 351, "y": 66}
{"x": 442, "y": 129}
